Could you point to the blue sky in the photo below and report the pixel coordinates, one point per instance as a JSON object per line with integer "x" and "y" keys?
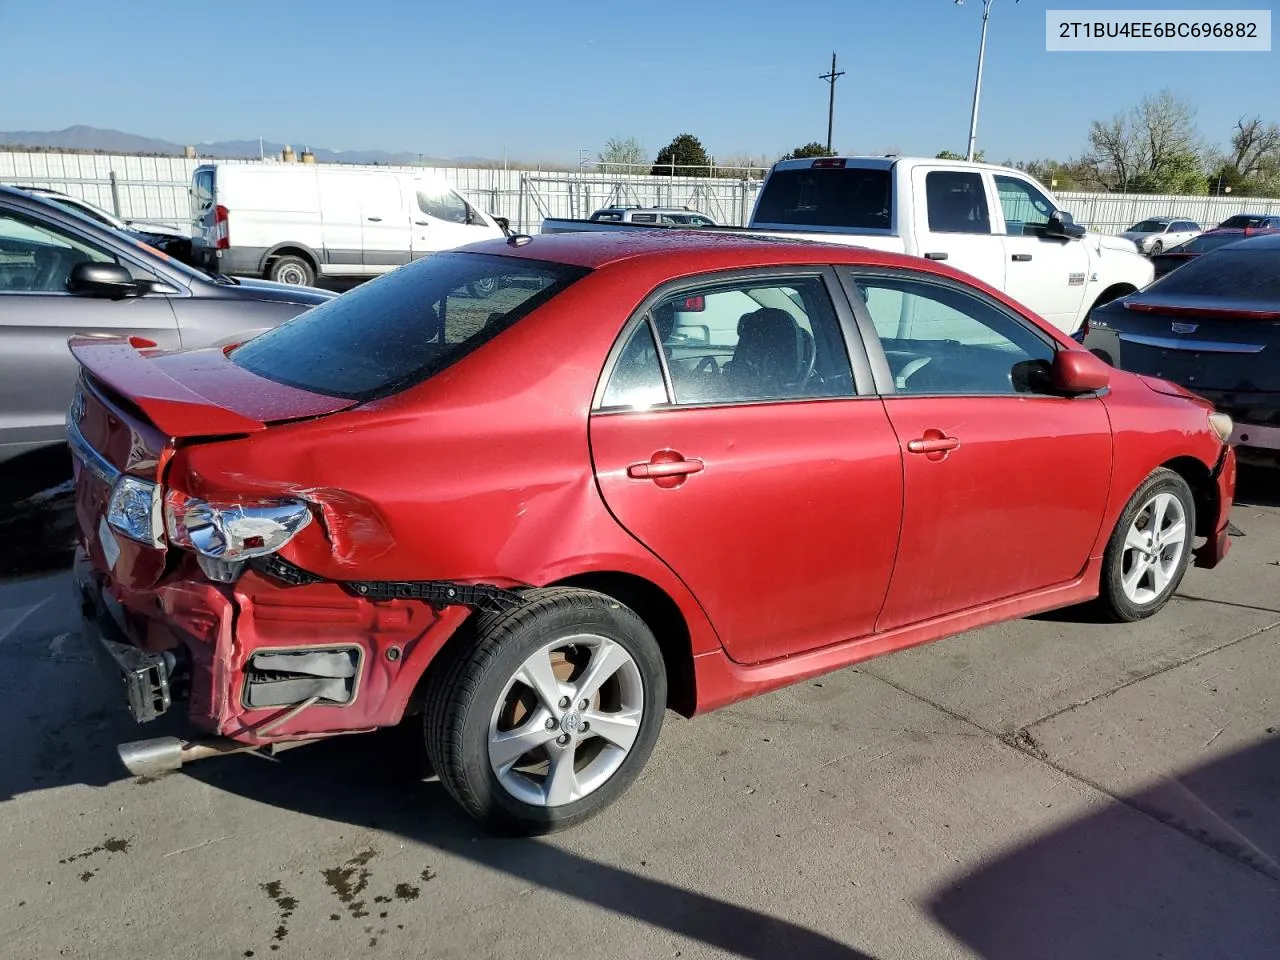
{"x": 543, "y": 80}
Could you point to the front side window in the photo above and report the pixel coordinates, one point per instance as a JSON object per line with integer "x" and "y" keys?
{"x": 739, "y": 342}
{"x": 940, "y": 340}
{"x": 1026, "y": 210}
{"x": 956, "y": 201}
{"x": 38, "y": 257}
{"x": 437, "y": 200}
{"x": 388, "y": 334}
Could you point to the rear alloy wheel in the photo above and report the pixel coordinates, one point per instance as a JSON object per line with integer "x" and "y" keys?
{"x": 1157, "y": 248}
{"x": 1150, "y": 548}
{"x": 293, "y": 270}
{"x": 549, "y": 712}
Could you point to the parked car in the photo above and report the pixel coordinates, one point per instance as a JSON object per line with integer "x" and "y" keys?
{"x": 62, "y": 274}
{"x": 1252, "y": 221}
{"x": 295, "y": 222}
{"x": 1214, "y": 327}
{"x": 665, "y": 216}
{"x": 994, "y": 223}
{"x": 1158, "y": 234}
{"x": 545, "y": 518}
{"x": 169, "y": 240}
{"x": 1206, "y": 242}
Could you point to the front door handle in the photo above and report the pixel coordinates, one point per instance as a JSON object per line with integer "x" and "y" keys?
{"x": 936, "y": 255}
{"x": 935, "y": 444}
{"x": 422, "y": 223}
{"x": 374, "y": 219}
{"x": 1021, "y": 257}
{"x": 666, "y": 468}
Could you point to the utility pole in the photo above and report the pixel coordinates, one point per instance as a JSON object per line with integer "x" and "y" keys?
{"x": 831, "y": 79}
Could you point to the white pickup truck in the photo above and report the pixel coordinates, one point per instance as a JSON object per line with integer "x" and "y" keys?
{"x": 995, "y": 223}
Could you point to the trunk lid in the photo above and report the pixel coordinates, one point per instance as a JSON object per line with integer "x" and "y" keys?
{"x": 134, "y": 405}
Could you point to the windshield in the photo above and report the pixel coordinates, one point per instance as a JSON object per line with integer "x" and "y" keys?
{"x": 400, "y": 329}
{"x": 831, "y": 197}
{"x": 1147, "y": 226}
{"x": 1241, "y": 221}
{"x": 1235, "y": 274}
{"x": 1206, "y": 242}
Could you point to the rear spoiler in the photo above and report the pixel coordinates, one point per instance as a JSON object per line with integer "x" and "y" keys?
{"x": 175, "y": 409}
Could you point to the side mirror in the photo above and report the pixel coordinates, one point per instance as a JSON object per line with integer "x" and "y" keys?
{"x": 1078, "y": 371}
{"x": 102, "y": 280}
{"x": 1062, "y": 224}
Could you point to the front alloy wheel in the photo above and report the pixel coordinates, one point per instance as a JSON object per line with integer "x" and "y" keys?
{"x": 1149, "y": 549}
{"x": 539, "y": 717}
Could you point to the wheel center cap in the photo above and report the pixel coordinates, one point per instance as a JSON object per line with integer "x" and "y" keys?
{"x": 571, "y": 722}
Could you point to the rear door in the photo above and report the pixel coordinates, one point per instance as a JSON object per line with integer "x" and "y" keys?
{"x": 1047, "y": 274}
{"x": 384, "y": 223}
{"x": 750, "y": 464}
{"x": 1004, "y": 484}
{"x": 38, "y": 314}
{"x": 342, "y": 222}
{"x": 953, "y": 222}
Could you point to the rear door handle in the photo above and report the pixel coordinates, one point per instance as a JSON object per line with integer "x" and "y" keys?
{"x": 666, "y": 468}
{"x": 936, "y": 255}
{"x": 1021, "y": 257}
{"x": 374, "y": 219}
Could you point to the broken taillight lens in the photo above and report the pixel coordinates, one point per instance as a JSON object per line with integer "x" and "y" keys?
{"x": 232, "y": 531}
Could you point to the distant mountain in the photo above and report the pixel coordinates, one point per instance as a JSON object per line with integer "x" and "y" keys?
{"x": 97, "y": 140}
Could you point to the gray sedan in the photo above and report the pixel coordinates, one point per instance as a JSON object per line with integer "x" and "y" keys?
{"x": 62, "y": 274}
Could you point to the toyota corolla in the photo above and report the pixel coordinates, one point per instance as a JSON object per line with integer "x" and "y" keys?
{"x": 645, "y": 472}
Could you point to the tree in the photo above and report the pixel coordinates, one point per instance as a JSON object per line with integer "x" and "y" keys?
{"x": 1155, "y": 147}
{"x": 683, "y": 157}
{"x": 1254, "y": 146}
{"x": 811, "y": 149}
{"x": 979, "y": 157}
{"x": 624, "y": 152}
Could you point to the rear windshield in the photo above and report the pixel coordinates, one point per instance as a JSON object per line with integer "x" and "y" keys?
{"x": 1207, "y": 242}
{"x": 398, "y": 330}
{"x": 1240, "y": 274}
{"x": 827, "y": 197}
{"x": 1242, "y": 220}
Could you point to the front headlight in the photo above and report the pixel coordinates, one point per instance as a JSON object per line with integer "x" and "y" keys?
{"x": 233, "y": 531}
{"x": 135, "y": 510}
{"x": 1222, "y": 425}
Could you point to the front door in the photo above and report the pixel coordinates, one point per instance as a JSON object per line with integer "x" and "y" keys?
{"x": 38, "y": 314}
{"x": 953, "y": 223}
{"x": 1049, "y": 275}
{"x": 1005, "y": 484}
{"x": 746, "y": 461}
{"x": 443, "y": 220}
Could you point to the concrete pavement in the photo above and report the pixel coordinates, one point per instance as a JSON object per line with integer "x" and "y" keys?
{"x": 1048, "y": 788}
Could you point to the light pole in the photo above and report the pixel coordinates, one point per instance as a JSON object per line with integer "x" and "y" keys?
{"x": 977, "y": 83}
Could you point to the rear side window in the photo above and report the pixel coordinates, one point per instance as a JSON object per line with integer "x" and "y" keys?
{"x": 1232, "y": 274}
{"x": 828, "y": 197}
{"x": 957, "y": 202}
{"x": 402, "y": 328}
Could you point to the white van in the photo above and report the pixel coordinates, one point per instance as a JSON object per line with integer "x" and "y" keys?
{"x": 295, "y": 222}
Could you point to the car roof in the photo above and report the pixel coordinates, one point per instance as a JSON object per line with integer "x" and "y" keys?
{"x": 692, "y": 251}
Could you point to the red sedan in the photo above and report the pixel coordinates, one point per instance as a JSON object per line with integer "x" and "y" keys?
{"x": 670, "y": 469}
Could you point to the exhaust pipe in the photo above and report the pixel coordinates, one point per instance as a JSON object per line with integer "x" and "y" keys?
{"x": 146, "y": 758}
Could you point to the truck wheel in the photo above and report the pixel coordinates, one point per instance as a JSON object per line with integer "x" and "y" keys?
{"x": 1149, "y": 549}
{"x": 291, "y": 269}
{"x": 547, "y": 712}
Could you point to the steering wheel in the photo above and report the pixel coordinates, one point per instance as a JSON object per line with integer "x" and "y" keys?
{"x": 708, "y": 363}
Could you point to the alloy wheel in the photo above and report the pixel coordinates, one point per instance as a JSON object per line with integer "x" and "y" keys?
{"x": 1153, "y": 548}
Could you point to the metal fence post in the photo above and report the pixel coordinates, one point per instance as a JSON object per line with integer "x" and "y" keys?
{"x": 115, "y": 194}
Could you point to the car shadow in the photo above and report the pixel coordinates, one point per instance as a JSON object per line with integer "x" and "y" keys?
{"x": 37, "y": 513}
{"x": 1258, "y": 486}
{"x": 1123, "y": 884}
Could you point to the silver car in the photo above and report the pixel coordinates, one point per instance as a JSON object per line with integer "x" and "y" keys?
{"x": 62, "y": 274}
{"x": 1158, "y": 234}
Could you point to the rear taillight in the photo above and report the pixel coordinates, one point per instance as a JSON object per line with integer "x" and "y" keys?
{"x": 1214, "y": 313}
{"x": 221, "y": 228}
{"x": 224, "y": 535}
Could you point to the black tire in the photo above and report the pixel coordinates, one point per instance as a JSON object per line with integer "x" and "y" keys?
{"x": 463, "y": 690}
{"x": 293, "y": 270}
{"x": 1112, "y": 599}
